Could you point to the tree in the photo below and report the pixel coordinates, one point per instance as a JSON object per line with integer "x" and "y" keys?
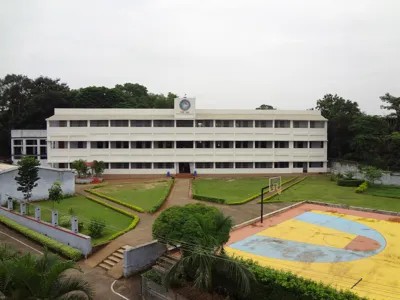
{"x": 28, "y": 175}
{"x": 185, "y": 224}
{"x": 340, "y": 114}
{"x": 372, "y": 174}
{"x": 393, "y": 103}
{"x": 81, "y": 167}
{"x": 98, "y": 97}
{"x": 98, "y": 167}
{"x": 41, "y": 278}
{"x": 265, "y": 107}
{"x": 56, "y": 193}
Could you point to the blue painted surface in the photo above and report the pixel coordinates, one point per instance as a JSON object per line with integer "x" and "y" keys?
{"x": 305, "y": 252}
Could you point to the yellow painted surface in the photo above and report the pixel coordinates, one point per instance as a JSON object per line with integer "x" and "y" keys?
{"x": 300, "y": 231}
{"x": 380, "y": 273}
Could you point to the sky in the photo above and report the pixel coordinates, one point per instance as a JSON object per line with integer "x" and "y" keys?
{"x": 233, "y": 54}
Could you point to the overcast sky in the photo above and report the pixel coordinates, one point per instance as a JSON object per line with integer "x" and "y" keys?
{"x": 227, "y": 54}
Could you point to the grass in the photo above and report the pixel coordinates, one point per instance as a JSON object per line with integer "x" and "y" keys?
{"x": 321, "y": 188}
{"x": 145, "y": 195}
{"x": 85, "y": 210}
{"x": 390, "y": 191}
{"x": 232, "y": 190}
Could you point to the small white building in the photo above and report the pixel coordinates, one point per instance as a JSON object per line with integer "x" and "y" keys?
{"x": 29, "y": 142}
{"x": 187, "y": 140}
{"x": 8, "y": 185}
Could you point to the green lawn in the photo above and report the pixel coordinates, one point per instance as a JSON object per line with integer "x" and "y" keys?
{"x": 85, "y": 210}
{"x": 320, "y": 188}
{"x": 232, "y": 190}
{"x": 142, "y": 194}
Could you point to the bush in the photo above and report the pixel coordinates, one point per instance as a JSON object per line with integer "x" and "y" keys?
{"x": 209, "y": 199}
{"x": 163, "y": 198}
{"x": 66, "y": 196}
{"x": 96, "y": 227}
{"x": 137, "y": 208}
{"x": 363, "y": 186}
{"x": 349, "y": 182}
{"x": 65, "y": 221}
{"x": 349, "y": 175}
{"x": 64, "y": 250}
{"x": 96, "y": 186}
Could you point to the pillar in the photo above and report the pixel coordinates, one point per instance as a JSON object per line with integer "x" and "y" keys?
{"x": 23, "y": 208}
{"x": 74, "y": 223}
{"x": 54, "y": 218}
{"x": 37, "y": 213}
{"x": 10, "y": 203}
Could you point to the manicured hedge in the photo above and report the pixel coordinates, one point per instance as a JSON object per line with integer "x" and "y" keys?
{"x": 130, "y": 227}
{"x": 362, "y": 188}
{"x": 349, "y": 182}
{"x": 58, "y": 247}
{"x": 259, "y": 194}
{"x": 209, "y": 199}
{"x": 284, "y": 189}
{"x": 136, "y": 208}
{"x": 273, "y": 284}
{"x": 163, "y": 198}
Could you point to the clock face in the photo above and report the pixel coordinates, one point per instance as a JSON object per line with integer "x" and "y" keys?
{"x": 184, "y": 105}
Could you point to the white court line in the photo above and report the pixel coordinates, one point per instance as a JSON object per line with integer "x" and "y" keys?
{"x": 118, "y": 294}
{"x": 21, "y": 242}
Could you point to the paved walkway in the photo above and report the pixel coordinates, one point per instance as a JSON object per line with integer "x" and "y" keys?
{"x": 180, "y": 195}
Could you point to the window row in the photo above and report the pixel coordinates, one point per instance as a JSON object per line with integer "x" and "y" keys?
{"x": 185, "y": 144}
{"x": 190, "y": 123}
{"x": 29, "y": 142}
{"x": 208, "y": 165}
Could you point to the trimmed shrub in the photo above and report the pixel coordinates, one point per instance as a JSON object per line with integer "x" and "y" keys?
{"x": 96, "y": 227}
{"x": 209, "y": 199}
{"x": 96, "y": 186}
{"x": 350, "y": 182}
{"x": 163, "y": 198}
{"x": 363, "y": 186}
{"x": 136, "y": 208}
{"x": 58, "y": 247}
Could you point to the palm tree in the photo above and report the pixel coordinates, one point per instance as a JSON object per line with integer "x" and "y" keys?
{"x": 41, "y": 278}
{"x": 205, "y": 260}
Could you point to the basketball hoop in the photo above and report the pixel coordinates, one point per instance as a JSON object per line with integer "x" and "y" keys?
{"x": 279, "y": 191}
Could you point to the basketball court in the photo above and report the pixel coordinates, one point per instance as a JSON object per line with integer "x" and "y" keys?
{"x": 347, "y": 249}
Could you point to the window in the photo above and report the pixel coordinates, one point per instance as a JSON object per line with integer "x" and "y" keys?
{"x": 43, "y": 152}
{"x": 59, "y": 145}
{"x": 263, "y": 123}
{"x": 120, "y": 145}
{"x": 299, "y": 164}
{"x": 282, "y": 124}
{"x": 300, "y": 144}
{"x": 244, "y": 144}
{"x": 317, "y": 124}
{"x": 163, "y": 144}
{"x": 17, "y": 151}
{"x": 263, "y": 165}
{"x": 263, "y": 144}
{"x": 31, "y": 142}
{"x": 184, "y": 123}
{"x": 43, "y": 142}
{"x": 58, "y": 123}
{"x": 31, "y": 151}
{"x": 281, "y": 144}
{"x": 167, "y": 165}
{"x": 141, "y": 145}
{"x": 204, "y": 144}
{"x": 300, "y": 124}
{"x": 244, "y": 123}
{"x": 223, "y": 144}
{"x": 119, "y": 165}
{"x": 244, "y": 165}
{"x": 119, "y": 123}
{"x": 17, "y": 142}
{"x": 146, "y": 165}
{"x": 99, "y": 145}
{"x": 77, "y": 145}
{"x": 106, "y": 165}
{"x": 223, "y": 123}
{"x": 282, "y": 165}
{"x": 224, "y": 165}
{"x": 99, "y": 123}
{"x": 163, "y": 123}
{"x": 316, "y": 164}
{"x": 204, "y": 123}
{"x": 62, "y": 165}
{"x": 140, "y": 123}
{"x": 78, "y": 123}
{"x": 204, "y": 165}
{"x": 317, "y": 144}
{"x": 184, "y": 144}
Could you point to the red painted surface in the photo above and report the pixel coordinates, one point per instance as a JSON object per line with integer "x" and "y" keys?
{"x": 362, "y": 243}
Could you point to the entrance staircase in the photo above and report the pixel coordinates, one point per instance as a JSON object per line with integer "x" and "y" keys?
{"x": 114, "y": 258}
{"x": 164, "y": 263}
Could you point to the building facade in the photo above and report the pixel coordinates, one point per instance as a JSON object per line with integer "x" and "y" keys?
{"x": 29, "y": 142}
{"x": 188, "y": 140}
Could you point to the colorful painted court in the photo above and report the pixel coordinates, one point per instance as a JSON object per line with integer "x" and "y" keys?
{"x": 335, "y": 246}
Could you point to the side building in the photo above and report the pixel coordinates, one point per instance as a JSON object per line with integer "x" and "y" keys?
{"x": 188, "y": 140}
{"x": 29, "y": 142}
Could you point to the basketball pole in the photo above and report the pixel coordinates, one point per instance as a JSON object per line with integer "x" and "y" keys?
{"x": 262, "y": 202}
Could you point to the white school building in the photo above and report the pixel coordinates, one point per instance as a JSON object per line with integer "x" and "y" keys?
{"x": 189, "y": 140}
